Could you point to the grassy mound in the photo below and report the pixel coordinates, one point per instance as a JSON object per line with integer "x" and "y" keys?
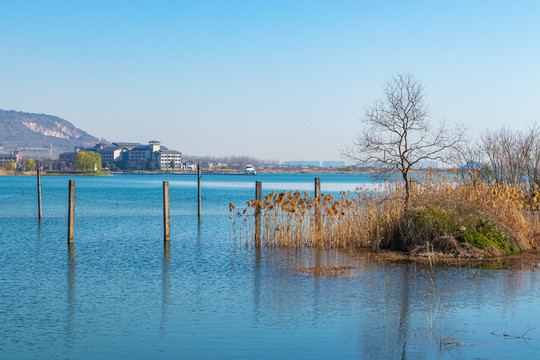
{"x": 455, "y": 228}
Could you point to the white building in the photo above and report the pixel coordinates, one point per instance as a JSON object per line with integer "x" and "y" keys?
{"x": 168, "y": 159}
{"x": 190, "y": 165}
{"x": 111, "y": 153}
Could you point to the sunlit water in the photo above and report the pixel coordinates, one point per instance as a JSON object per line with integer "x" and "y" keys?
{"x": 120, "y": 293}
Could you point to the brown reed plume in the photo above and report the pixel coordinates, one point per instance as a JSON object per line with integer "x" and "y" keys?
{"x": 374, "y": 219}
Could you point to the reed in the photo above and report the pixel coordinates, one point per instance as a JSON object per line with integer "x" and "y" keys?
{"x": 378, "y": 218}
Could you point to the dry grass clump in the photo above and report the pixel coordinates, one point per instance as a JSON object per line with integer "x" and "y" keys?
{"x": 327, "y": 271}
{"x": 495, "y": 218}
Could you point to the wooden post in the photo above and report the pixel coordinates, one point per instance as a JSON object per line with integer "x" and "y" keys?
{"x": 39, "y": 193}
{"x": 199, "y": 190}
{"x": 71, "y": 211}
{"x": 166, "y": 214}
{"x": 258, "y": 190}
{"x": 258, "y": 197}
{"x": 317, "y": 187}
{"x": 317, "y": 207}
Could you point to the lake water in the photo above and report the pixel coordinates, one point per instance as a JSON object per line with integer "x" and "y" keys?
{"x": 119, "y": 293}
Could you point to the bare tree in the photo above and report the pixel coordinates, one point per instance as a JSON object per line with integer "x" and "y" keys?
{"x": 397, "y": 134}
{"x": 514, "y": 156}
{"x": 508, "y": 152}
{"x": 469, "y": 160}
{"x": 533, "y": 158}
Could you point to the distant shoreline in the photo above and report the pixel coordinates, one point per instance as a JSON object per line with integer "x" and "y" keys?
{"x": 51, "y": 173}
{"x": 204, "y": 172}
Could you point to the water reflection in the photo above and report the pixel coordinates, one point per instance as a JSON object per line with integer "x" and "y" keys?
{"x": 71, "y": 291}
{"x": 403, "y": 328}
{"x": 199, "y": 258}
{"x": 286, "y": 297}
{"x": 257, "y": 284}
{"x": 316, "y": 287}
{"x": 39, "y": 236}
{"x": 40, "y": 228}
{"x": 165, "y": 287}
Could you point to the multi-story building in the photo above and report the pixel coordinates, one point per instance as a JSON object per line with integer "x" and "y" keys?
{"x": 164, "y": 158}
{"x": 14, "y": 155}
{"x": 168, "y": 159}
{"x": 111, "y": 153}
{"x": 139, "y": 153}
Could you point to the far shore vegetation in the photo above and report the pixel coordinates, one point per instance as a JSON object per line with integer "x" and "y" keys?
{"x": 52, "y": 173}
{"x": 88, "y": 163}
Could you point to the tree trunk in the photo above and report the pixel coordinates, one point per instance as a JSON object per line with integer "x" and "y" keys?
{"x": 407, "y": 189}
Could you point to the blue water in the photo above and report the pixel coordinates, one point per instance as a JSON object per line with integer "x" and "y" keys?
{"x": 119, "y": 293}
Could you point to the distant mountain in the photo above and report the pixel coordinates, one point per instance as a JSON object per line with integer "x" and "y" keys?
{"x": 34, "y": 133}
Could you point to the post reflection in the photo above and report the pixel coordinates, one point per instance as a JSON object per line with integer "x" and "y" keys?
{"x": 39, "y": 236}
{"x": 198, "y": 291}
{"x": 257, "y": 283}
{"x": 316, "y": 287}
{"x": 71, "y": 290}
{"x": 165, "y": 285}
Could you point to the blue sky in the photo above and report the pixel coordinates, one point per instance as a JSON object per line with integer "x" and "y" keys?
{"x": 271, "y": 79}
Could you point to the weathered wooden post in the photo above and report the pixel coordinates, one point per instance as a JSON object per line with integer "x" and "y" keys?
{"x": 39, "y": 193}
{"x": 258, "y": 197}
{"x": 317, "y": 187}
{"x": 199, "y": 190}
{"x": 317, "y": 207}
{"x": 71, "y": 212}
{"x": 166, "y": 214}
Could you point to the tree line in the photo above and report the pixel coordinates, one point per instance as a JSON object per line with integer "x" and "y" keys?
{"x": 503, "y": 155}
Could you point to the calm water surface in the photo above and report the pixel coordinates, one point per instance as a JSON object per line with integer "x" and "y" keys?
{"x": 119, "y": 293}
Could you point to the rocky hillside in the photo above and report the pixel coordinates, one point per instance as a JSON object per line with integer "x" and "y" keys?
{"x": 30, "y": 133}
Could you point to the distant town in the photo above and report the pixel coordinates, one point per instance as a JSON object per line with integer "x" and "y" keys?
{"x": 132, "y": 156}
{"x": 30, "y": 141}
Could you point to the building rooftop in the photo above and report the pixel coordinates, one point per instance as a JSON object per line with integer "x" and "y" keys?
{"x": 111, "y": 148}
{"x": 126, "y": 144}
{"x": 169, "y": 152}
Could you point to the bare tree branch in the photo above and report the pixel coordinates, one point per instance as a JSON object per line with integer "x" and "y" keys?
{"x": 396, "y": 132}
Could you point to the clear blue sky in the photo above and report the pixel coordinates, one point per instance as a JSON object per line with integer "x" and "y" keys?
{"x": 272, "y": 79}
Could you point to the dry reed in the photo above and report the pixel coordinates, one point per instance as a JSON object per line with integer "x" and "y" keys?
{"x": 370, "y": 219}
